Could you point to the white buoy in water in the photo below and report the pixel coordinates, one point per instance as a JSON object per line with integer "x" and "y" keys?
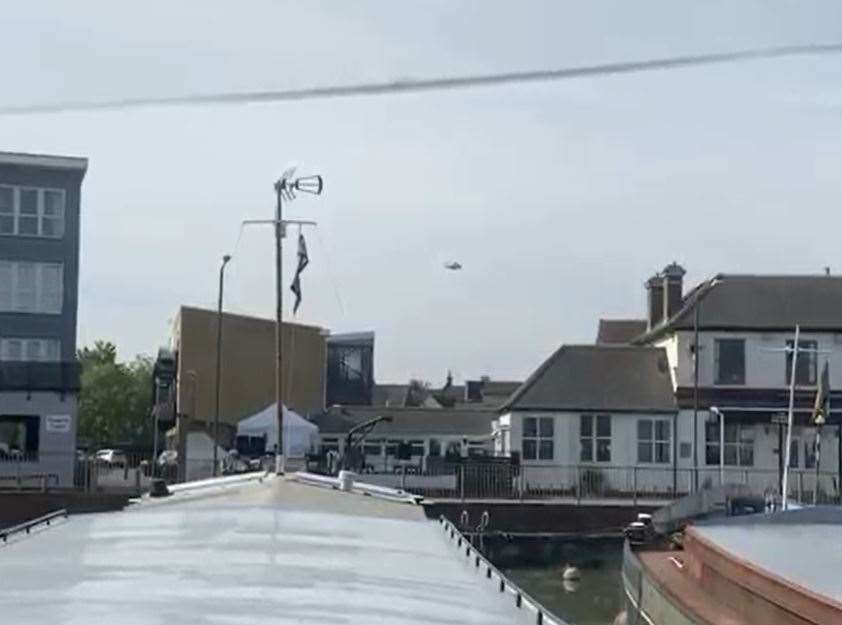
{"x": 570, "y": 573}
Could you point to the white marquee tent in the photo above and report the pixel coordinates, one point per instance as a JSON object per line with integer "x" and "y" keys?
{"x": 300, "y": 435}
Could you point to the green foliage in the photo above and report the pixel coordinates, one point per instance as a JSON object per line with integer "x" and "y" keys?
{"x": 115, "y": 400}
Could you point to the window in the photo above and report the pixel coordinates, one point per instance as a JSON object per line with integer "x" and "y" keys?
{"x": 653, "y": 440}
{"x": 595, "y": 438}
{"x": 739, "y": 444}
{"x": 330, "y": 444}
{"x": 19, "y": 436}
{"x": 730, "y": 361}
{"x": 805, "y": 366}
{"x": 30, "y": 349}
{"x": 810, "y": 453}
{"x": 435, "y": 447}
{"x": 373, "y": 447}
{"x": 31, "y": 287}
{"x": 31, "y": 212}
{"x": 538, "y": 438}
{"x": 417, "y": 448}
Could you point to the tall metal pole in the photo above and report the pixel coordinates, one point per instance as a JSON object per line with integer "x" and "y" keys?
{"x": 696, "y": 397}
{"x": 225, "y": 260}
{"x": 279, "y": 297}
{"x": 784, "y": 496}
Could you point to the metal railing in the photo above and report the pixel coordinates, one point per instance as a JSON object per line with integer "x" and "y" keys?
{"x": 577, "y": 483}
{"x": 28, "y": 526}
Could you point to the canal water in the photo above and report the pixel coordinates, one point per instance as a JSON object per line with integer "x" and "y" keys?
{"x": 536, "y": 565}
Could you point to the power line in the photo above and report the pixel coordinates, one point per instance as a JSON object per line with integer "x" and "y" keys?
{"x": 425, "y": 84}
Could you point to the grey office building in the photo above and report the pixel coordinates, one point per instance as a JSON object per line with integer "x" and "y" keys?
{"x": 39, "y": 273}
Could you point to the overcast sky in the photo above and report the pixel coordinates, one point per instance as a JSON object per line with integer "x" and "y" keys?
{"x": 558, "y": 198}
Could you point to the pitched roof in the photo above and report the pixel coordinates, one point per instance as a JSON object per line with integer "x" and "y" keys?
{"x": 407, "y": 421}
{"x": 616, "y": 378}
{"x": 762, "y": 303}
{"x": 389, "y": 394}
{"x": 613, "y": 331}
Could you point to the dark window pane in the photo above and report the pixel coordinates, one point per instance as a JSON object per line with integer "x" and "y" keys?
{"x": 805, "y": 367}
{"x": 644, "y": 430}
{"x": 435, "y": 447}
{"x": 730, "y": 361}
{"x": 7, "y": 200}
{"x": 529, "y": 449}
{"x": 27, "y": 225}
{"x": 662, "y": 430}
{"x": 747, "y": 435}
{"x": 603, "y": 450}
{"x": 731, "y": 432}
{"x": 530, "y": 426}
{"x": 546, "y": 424}
{"x": 712, "y": 432}
{"x": 545, "y": 450}
{"x": 731, "y": 455}
{"x": 28, "y": 202}
{"x": 644, "y": 452}
{"x": 603, "y": 425}
{"x": 586, "y": 425}
{"x": 793, "y": 454}
{"x": 586, "y": 453}
{"x": 7, "y": 224}
{"x": 711, "y": 454}
{"x": 662, "y": 452}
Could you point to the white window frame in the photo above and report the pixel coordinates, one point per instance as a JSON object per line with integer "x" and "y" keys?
{"x": 593, "y": 439}
{"x": 654, "y": 441}
{"x": 738, "y": 444}
{"x": 539, "y": 438}
{"x": 10, "y": 287}
{"x": 40, "y": 215}
{"x": 47, "y": 348}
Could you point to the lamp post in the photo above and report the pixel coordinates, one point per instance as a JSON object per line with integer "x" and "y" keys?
{"x": 225, "y": 260}
{"x": 718, "y": 413}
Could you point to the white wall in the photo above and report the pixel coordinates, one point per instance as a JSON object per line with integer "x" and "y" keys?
{"x": 764, "y": 369}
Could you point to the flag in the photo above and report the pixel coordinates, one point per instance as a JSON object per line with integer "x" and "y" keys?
{"x": 822, "y": 395}
{"x": 303, "y": 261}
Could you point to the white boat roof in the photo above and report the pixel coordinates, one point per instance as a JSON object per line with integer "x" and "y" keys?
{"x": 274, "y": 552}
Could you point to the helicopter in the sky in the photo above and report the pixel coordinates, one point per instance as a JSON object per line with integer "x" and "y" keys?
{"x": 453, "y": 265}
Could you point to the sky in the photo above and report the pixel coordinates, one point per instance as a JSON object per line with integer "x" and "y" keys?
{"x": 559, "y": 198}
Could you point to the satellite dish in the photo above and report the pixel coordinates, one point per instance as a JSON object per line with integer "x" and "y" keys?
{"x": 453, "y": 265}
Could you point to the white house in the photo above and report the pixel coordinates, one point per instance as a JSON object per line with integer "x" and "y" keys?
{"x": 646, "y": 400}
{"x": 588, "y": 415}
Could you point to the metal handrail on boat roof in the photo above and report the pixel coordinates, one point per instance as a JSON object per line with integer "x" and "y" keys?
{"x": 542, "y": 615}
{"x": 28, "y": 525}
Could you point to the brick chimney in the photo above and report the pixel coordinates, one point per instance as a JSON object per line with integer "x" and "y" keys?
{"x": 655, "y": 288}
{"x": 673, "y": 288}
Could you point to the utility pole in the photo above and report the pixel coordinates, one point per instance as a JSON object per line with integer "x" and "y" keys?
{"x": 784, "y": 486}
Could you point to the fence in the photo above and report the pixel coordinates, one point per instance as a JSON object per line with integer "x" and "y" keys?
{"x": 126, "y": 473}
{"x": 477, "y": 480}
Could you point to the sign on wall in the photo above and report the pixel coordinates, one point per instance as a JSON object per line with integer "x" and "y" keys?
{"x": 57, "y": 423}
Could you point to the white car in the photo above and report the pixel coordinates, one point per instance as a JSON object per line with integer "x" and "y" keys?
{"x": 111, "y": 457}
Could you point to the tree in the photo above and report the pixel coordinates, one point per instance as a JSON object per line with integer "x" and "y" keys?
{"x": 115, "y": 400}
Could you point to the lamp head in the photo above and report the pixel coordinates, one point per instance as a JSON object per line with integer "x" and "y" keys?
{"x": 309, "y": 184}
{"x": 226, "y": 258}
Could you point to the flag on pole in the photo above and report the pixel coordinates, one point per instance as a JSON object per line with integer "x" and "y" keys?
{"x": 303, "y": 261}
{"x": 822, "y": 395}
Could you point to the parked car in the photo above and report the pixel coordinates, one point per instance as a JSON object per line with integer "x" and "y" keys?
{"x": 111, "y": 457}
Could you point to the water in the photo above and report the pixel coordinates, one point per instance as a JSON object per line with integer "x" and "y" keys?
{"x": 536, "y": 565}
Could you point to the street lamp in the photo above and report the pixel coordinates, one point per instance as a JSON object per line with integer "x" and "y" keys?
{"x": 718, "y": 413}
{"x": 225, "y": 259}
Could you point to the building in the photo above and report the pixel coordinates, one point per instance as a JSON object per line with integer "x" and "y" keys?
{"x": 599, "y": 409}
{"x": 430, "y": 432}
{"x": 653, "y": 398}
{"x": 185, "y": 373}
{"x": 39, "y": 273}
